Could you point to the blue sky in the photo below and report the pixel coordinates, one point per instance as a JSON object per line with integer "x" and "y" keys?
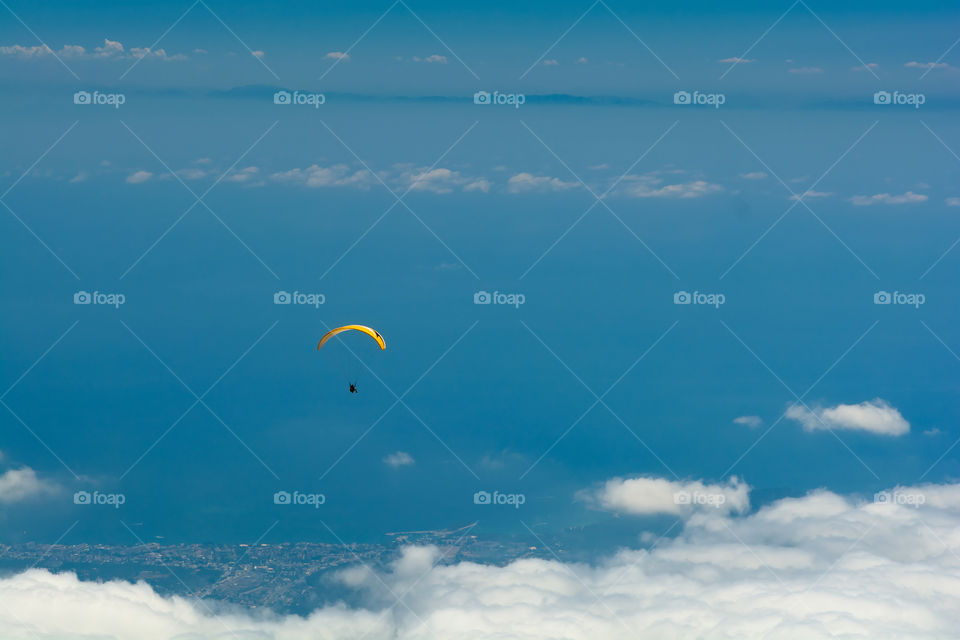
{"x": 492, "y": 199}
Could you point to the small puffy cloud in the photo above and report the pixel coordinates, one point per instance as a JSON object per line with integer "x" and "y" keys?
{"x": 258, "y": 54}
{"x": 398, "y": 459}
{"x": 435, "y": 58}
{"x": 652, "y": 186}
{"x": 550, "y": 62}
{"x": 441, "y": 180}
{"x": 337, "y": 55}
{"x": 749, "y": 421}
{"x": 754, "y": 175}
{"x": 242, "y": 175}
{"x": 874, "y": 416}
{"x": 806, "y": 195}
{"x": 80, "y": 177}
{"x": 886, "y": 198}
{"x": 192, "y": 173}
{"x": 869, "y": 65}
{"x": 953, "y": 202}
{"x": 41, "y": 51}
{"x": 17, "y": 485}
{"x": 737, "y": 60}
{"x": 139, "y": 177}
{"x": 650, "y": 495}
{"x": 315, "y": 176}
{"x": 805, "y": 70}
{"x": 526, "y": 182}
{"x": 581, "y": 60}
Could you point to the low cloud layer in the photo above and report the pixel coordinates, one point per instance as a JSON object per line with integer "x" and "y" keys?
{"x": 816, "y": 567}
{"x": 649, "y": 495}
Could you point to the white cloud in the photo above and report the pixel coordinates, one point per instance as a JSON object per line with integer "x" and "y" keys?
{"x": 258, "y": 54}
{"x": 440, "y": 180}
{"x": 339, "y": 175}
{"x": 750, "y": 421}
{"x": 737, "y": 60}
{"x": 550, "y": 62}
{"x": 651, "y": 186}
{"x": 524, "y": 182}
{"x": 139, "y": 177}
{"x": 754, "y": 175}
{"x": 337, "y": 55}
{"x": 581, "y": 60}
{"x": 436, "y": 58}
{"x": 927, "y": 65}
{"x": 874, "y": 416}
{"x": 480, "y": 184}
{"x": 111, "y": 49}
{"x": 805, "y": 70}
{"x": 953, "y": 202}
{"x": 80, "y": 177}
{"x": 819, "y": 567}
{"x": 21, "y": 484}
{"x": 869, "y": 65}
{"x": 885, "y": 198}
{"x": 811, "y": 194}
{"x": 398, "y": 459}
{"x": 649, "y": 495}
{"x": 242, "y": 175}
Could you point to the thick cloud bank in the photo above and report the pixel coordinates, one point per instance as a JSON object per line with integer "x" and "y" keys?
{"x": 821, "y": 566}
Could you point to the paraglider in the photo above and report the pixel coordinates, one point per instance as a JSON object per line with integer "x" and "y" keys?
{"x": 373, "y": 333}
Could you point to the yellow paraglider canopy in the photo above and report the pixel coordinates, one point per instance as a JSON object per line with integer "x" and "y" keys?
{"x": 354, "y": 327}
